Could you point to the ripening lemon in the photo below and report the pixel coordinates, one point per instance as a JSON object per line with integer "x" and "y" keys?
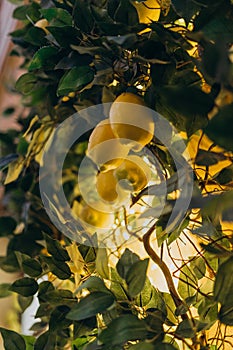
{"x": 108, "y": 189}
{"x": 148, "y": 11}
{"x": 106, "y": 185}
{"x": 92, "y": 217}
{"x": 105, "y": 150}
{"x": 42, "y": 23}
{"x": 136, "y": 173}
{"x": 131, "y": 121}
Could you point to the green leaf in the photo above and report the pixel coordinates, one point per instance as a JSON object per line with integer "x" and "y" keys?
{"x": 170, "y": 308}
{"x": 82, "y": 16}
{"x": 32, "y": 267}
{"x": 30, "y": 341}
{"x": 45, "y": 58}
{"x": 122, "y": 330}
{"x": 126, "y": 13}
{"x": 185, "y": 329}
{"x": 9, "y": 263}
{"x": 65, "y": 36}
{"x": 127, "y": 259}
{"x": 91, "y": 305}
{"x": 75, "y": 79}
{"x": 125, "y": 41}
{"x": 25, "y": 286}
{"x": 220, "y": 128}
{"x": 74, "y": 59}
{"x": 146, "y": 295}
{"x": 199, "y": 268}
{"x": 5, "y": 161}
{"x": 12, "y": 340}
{"x": 58, "y": 267}
{"x": 136, "y": 277}
{"x": 208, "y": 158}
{"x": 44, "y": 287}
{"x": 4, "y": 290}
{"x": 60, "y": 297}
{"x": 26, "y": 83}
{"x": 58, "y": 320}
{"x": 80, "y": 342}
{"x": 94, "y": 284}
{"x": 217, "y": 205}
{"x": 101, "y": 263}
{"x": 46, "y": 341}
{"x": 35, "y": 36}
{"x": 24, "y": 302}
{"x": 55, "y": 248}
{"x": 57, "y": 16}
{"x": 7, "y": 225}
{"x": 185, "y": 8}
{"x": 22, "y": 146}
{"x": 224, "y": 283}
{"x": 117, "y": 285}
{"x": 187, "y": 100}
{"x": 187, "y": 285}
{"x": 208, "y": 310}
{"x": 225, "y": 176}
{"x": 24, "y": 12}
{"x": 225, "y": 314}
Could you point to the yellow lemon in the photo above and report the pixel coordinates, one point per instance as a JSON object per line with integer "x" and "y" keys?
{"x": 136, "y": 173}
{"x": 108, "y": 189}
{"x": 106, "y": 186}
{"x": 131, "y": 121}
{"x": 106, "y": 151}
{"x": 42, "y": 23}
{"x": 148, "y": 11}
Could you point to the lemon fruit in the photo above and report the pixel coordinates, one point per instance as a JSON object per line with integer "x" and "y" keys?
{"x": 108, "y": 189}
{"x": 42, "y": 23}
{"x": 105, "y": 150}
{"x": 131, "y": 121}
{"x": 136, "y": 173}
{"x": 148, "y": 11}
{"x": 106, "y": 186}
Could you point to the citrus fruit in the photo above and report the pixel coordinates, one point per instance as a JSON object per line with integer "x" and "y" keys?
{"x": 148, "y": 11}
{"x": 131, "y": 121}
{"x": 105, "y": 150}
{"x": 135, "y": 172}
{"x": 106, "y": 186}
{"x": 108, "y": 189}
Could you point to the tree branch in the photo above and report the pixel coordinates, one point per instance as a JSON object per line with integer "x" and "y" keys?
{"x": 154, "y": 256}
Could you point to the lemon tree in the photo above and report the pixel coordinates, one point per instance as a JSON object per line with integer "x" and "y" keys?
{"x": 160, "y": 73}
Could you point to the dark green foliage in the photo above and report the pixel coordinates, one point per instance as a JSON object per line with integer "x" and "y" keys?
{"x": 91, "y": 52}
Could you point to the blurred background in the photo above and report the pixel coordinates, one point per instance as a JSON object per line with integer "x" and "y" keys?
{"x": 9, "y": 70}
